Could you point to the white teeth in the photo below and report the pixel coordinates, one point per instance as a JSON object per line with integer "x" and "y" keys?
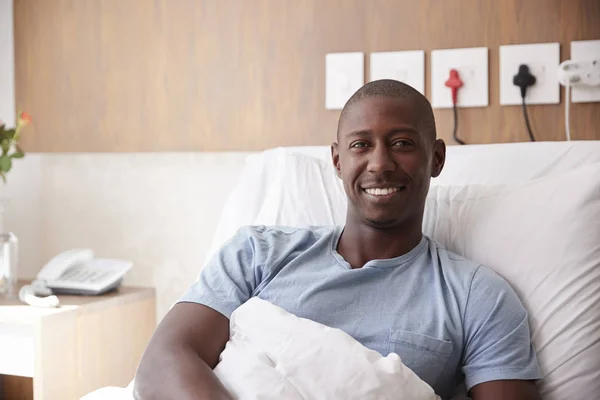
{"x": 381, "y": 192}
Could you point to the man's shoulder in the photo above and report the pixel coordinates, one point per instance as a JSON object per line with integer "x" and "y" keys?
{"x": 470, "y": 271}
{"x": 270, "y": 236}
{"x": 451, "y": 262}
{"x": 287, "y": 230}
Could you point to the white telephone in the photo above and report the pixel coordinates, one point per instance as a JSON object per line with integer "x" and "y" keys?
{"x": 75, "y": 272}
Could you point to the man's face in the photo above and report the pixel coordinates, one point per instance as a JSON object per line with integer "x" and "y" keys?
{"x": 385, "y": 161}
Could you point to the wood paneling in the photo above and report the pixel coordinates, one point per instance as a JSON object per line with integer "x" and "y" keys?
{"x": 214, "y": 75}
{"x": 16, "y": 387}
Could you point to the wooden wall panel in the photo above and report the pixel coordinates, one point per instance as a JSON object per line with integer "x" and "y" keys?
{"x": 16, "y": 387}
{"x": 216, "y": 75}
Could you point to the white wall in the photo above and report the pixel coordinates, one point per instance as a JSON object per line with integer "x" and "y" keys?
{"x": 22, "y": 202}
{"x": 7, "y": 63}
{"x": 159, "y": 210}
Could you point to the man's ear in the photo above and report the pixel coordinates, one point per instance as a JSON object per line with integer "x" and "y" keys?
{"x": 335, "y": 157}
{"x": 439, "y": 158}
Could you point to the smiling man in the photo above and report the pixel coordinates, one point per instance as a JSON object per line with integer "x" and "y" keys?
{"x": 378, "y": 278}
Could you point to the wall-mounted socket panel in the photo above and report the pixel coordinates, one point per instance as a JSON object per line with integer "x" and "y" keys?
{"x": 472, "y": 66}
{"x": 543, "y": 61}
{"x": 586, "y": 50}
{"x": 403, "y": 66}
{"x": 344, "y": 75}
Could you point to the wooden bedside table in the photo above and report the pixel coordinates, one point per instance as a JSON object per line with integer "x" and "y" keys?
{"x": 64, "y": 353}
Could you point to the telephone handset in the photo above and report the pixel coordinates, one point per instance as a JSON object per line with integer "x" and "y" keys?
{"x": 75, "y": 272}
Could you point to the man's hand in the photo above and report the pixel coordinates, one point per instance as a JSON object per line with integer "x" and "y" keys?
{"x": 505, "y": 390}
{"x": 179, "y": 359}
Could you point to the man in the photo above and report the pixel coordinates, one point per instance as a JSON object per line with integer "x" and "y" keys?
{"x": 378, "y": 278}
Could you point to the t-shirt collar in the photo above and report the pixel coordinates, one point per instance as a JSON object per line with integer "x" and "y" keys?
{"x": 378, "y": 263}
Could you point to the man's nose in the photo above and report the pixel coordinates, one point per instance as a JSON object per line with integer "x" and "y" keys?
{"x": 381, "y": 161}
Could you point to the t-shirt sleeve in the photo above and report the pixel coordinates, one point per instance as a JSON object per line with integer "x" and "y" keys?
{"x": 498, "y": 342}
{"x": 231, "y": 276}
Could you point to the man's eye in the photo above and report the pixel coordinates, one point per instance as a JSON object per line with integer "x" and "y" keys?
{"x": 358, "y": 144}
{"x": 402, "y": 142}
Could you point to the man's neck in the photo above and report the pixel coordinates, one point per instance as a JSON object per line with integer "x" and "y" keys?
{"x": 361, "y": 243}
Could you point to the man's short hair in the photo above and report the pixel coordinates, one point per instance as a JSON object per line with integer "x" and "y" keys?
{"x": 395, "y": 90}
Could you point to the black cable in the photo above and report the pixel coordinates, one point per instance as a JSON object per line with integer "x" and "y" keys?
{"x": 454, "y": 134}
{"x": 527, "y": 121}
{"x": 523, "y": 79}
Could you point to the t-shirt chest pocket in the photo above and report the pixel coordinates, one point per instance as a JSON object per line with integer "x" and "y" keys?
{"x": 426, "y": 356}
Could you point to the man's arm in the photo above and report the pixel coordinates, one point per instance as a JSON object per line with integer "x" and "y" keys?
{"x": 505, "y": 390}
{"x": 179, "y": 359}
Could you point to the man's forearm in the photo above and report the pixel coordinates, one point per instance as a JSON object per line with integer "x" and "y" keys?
{"x": 177, "y": 374}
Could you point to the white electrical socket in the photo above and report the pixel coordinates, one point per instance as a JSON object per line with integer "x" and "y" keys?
{"x": 586, "y": 50}
{"x": 543, "y": 61}
{"x": 472, "y": 67}
{"x": 580, "y": 74}
{"x": 403, "y": 66}
{"x": 344, "y": 75}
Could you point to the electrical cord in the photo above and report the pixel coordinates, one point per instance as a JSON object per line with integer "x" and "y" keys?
{"x": 527, "y": 121}
{"x": 454, "y": 133}
{"x": 523, "y": 79}
{"x": 567, "y": 106}
{"x": 454, "y": 83}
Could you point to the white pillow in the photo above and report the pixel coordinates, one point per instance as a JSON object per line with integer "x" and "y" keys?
{"x": 305, "y": 192}
{"x": 248, "y": 195}
{"x": 543, "y": 237}
{"x": 272, "y": 354}
{"x": 282, "y": 188}
{"x": 508, "y": 163}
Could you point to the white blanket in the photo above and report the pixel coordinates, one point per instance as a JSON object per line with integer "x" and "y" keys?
{"x": 273, "y": 354}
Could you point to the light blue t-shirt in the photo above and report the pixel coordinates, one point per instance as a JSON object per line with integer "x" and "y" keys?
{"x": 450, "y": 319}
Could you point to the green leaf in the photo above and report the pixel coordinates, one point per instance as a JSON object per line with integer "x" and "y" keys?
{"x": 7, "y": 134}
{"x": 5, "y": 163}
{"x": 5, "y": 144}
{"x": 19, "y": 153}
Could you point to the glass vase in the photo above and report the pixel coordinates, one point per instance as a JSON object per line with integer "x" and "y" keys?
{"x": 9, "y": 247}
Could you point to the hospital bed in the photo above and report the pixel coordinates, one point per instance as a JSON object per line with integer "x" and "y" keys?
{"x": 529, "y": 211}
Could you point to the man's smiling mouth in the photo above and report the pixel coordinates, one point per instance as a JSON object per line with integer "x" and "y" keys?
{"x": 383, "y": 191}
